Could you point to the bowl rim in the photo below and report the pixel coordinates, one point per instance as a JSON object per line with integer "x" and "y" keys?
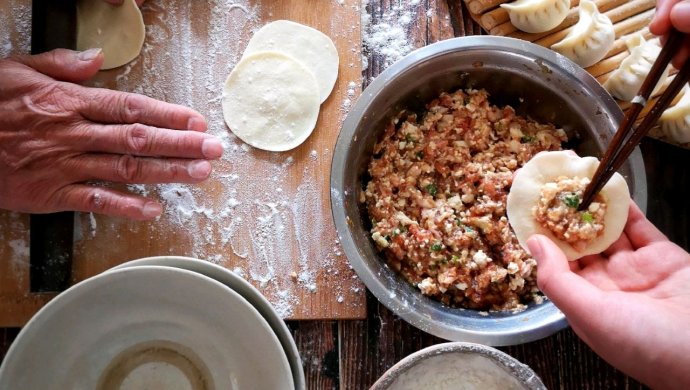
{"x": 112, "y": 280}
{"x": 554, "y": 320}
{"x": 518, "y": 370}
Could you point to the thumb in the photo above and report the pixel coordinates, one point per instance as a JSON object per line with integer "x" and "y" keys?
{"x": 65, "y": 65}
{"x": 571, "y": 293}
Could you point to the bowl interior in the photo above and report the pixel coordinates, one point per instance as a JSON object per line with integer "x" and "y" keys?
{"x": 538, "y": 84}
{"x": 459, "y": 365}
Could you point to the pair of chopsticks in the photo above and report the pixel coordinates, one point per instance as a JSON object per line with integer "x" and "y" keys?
{"x": 627, "y": 138}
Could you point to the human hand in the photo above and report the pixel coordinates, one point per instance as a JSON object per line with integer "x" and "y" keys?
{"x": 55, "y": 136}
{"x": 630, "y": 304}
{"x": 119, "y": 2}
{"x": 673, "y": 13}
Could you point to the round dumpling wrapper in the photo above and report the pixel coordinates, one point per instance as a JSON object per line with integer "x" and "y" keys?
{"x": 271, "y": 101}
{"x": 546, "y": 167}
{"x": 118, "y": 30}
{"x": 311, "y": 47}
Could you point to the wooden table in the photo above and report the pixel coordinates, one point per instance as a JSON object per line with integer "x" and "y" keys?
{"x": 353, "y": 354}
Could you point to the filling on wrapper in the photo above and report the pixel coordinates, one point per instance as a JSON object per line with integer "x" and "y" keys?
{"x": 557, "y": 211}
{"x": 437, "y": 200}
{"x": 546, "y": 193}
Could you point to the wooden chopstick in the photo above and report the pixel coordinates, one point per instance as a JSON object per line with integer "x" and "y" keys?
{"x": 627, "y": 138}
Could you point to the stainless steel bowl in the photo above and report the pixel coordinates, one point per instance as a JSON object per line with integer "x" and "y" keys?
{"x": 536, "y": 82}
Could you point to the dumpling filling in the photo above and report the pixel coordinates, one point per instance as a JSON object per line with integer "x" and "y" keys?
{"x": 557, "y": 212}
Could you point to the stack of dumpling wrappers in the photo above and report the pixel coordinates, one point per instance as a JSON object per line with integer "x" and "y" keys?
{"x": 609, "y": 38}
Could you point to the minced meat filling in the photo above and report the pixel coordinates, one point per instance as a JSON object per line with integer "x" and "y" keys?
{"x": 437, "y": 200}
{"x": 557, "y": 212}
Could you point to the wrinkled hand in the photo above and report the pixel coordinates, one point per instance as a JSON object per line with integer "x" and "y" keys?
{"x": 55, "y": 136}
{"x": 631, "y": 304}
{"x": 673, "y": 13}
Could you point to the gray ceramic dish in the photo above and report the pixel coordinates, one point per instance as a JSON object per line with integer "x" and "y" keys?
{"x": 459, "y": 366}
{"x": 247, "y": 291}
{"x": 537, "y": 82}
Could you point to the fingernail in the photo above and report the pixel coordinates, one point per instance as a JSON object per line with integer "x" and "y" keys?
{"x": 196, "y": 124}
{"x": 199, "y": 169}
{"x": 151, "y": 210}
{"x": 89, "y": 55}
{"x": 212, "y": 148}
{"x": 535, "y": 248}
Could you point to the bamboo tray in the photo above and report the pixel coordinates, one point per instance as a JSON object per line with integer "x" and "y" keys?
{"x": 628, "y": 17}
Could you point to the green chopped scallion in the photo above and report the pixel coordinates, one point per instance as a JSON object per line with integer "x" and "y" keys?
{"x": 437, "y": 246}
{"x": 587, "y": 217}
{"x": 431, "y": 189}
{"x": 571, "y": 200}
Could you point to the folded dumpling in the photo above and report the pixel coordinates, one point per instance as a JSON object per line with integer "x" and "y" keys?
{"x": 625, "y": 82}
{"x": 534, "y": 16}
{"x": 590, "y": 39}
{"x": 546, "y": 193}
{"x": 675, "y": 121}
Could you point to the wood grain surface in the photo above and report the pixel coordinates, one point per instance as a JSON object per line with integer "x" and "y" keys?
{"x": 352, "y": 354}
{"x": 264, "y": 215}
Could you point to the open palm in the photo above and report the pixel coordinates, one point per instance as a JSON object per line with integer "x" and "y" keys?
{"x": 630, "y": 304}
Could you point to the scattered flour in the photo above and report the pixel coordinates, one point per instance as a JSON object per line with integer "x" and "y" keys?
{"x": 20, "y": 250}
{"x": 94, "y": 225}
{"x": 265, "y": 226}
{"x": 15, "y": 28}
{"x": 384, "y": 33}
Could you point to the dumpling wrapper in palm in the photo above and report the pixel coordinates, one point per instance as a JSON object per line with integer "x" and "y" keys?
{"x": 546, "y": 167}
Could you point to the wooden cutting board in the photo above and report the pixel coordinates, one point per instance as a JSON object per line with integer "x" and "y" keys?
{"x": 627, "y": 16}
{"x": 263, "y": 215}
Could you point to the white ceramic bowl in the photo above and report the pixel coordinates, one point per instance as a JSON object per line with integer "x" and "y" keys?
{"x": 147, "y": 327}
{"x": 453, "y": 366}
{"x": 247, "y": 291}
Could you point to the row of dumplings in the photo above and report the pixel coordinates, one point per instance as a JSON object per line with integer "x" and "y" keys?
{"x": 588, "y": 42}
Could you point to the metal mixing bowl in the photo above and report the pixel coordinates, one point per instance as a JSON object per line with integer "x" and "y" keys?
{"x": 536, "y": 82}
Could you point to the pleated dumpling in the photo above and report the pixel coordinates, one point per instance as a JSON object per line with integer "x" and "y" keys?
{"x": 625, "y": 82}
{"x": 535, "y": 16}
{"x": 590, "y": 39}
{"x": 675, "y": 121}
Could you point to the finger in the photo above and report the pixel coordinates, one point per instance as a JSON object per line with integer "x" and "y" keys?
{"x": 683, "y": 53}
{"x": 119, "y": 2}
{"x": 142, "y": 140}
{"x": 639, "y": 230}
{"x": 106, "y": 106}
{"x": 138, "y": 170}
{"x": 570, "y": 292}
{"x": 91, "y": 199}
{"x": 661, "y": 24}
{"x": 65, "y": 65}
{"x": 680, "y": 16}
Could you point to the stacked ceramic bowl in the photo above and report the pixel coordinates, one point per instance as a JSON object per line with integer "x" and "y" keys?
{"x": 156, "y": 323}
